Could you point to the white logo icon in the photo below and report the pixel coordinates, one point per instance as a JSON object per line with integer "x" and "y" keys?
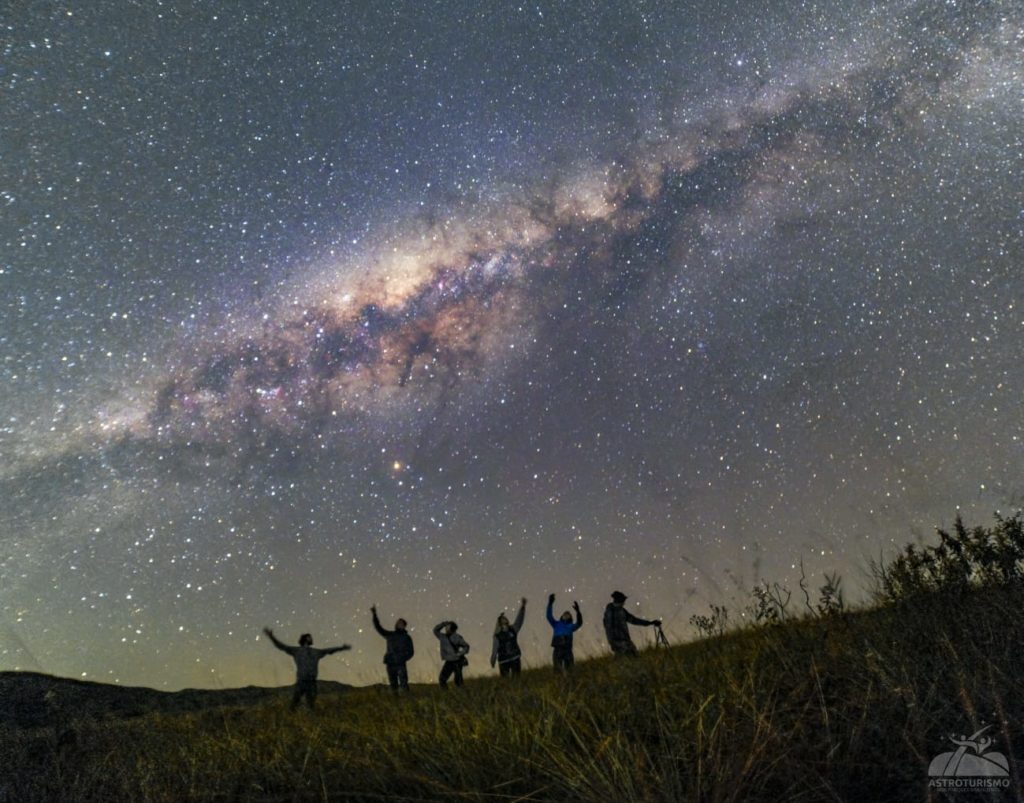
{"x": 961, "y": 763}
{"x": 970, "y": 766}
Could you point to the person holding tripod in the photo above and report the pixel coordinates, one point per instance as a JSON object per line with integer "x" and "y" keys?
{"x": 616, "y": 625}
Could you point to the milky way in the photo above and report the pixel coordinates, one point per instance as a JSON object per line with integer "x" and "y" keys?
{"x": 671, "y": 305}
{"x": 436, "y": 325}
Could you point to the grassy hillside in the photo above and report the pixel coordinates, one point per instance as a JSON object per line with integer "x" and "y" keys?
{"x": 849, "y": 706}
{"x": 32, "y": 699}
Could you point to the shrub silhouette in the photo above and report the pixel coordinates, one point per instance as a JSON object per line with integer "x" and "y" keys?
{"x": 963, "y": 559}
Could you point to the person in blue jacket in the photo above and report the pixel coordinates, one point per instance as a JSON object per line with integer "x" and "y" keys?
{"x": 561, "y": 639}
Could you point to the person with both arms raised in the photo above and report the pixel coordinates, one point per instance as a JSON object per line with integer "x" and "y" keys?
{"x": 616, "y": 625}
{"x": 505, "y": 650}
{"x": 399, "y": 652}
{"x": 453, "y": 652}
{"x": 562, "y": 630}
{"x": 307, "y": 661}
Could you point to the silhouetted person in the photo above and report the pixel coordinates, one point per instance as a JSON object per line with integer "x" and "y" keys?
{"x": 505, "y": 644}
{"x": 399, "y": 651}
{"x": 453, "y": 653}
{"x": 616, "y": 625}
{"x": 562, "y": 630}
{"x": 307, "y": 661}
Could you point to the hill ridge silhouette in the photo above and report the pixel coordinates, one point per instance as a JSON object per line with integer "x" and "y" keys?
{"x": 36, "y": 699}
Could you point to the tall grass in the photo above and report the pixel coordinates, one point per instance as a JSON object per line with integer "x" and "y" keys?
{"x": 848, "y": 706}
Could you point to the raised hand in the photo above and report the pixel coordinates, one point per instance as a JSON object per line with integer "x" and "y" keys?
{"x": 551, "y": 598}
{"x": 576, "y": 606}
{"x": 522, "y": 601}
{"x": 267, "y": 631}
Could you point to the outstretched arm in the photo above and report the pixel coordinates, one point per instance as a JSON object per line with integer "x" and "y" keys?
{"x": 377, "y": 625}
{"x": 636, "y": 620}
{"x": 279, "y": 644}
{"x": 517, "y": 625}
{"x": 548, "y": 612}
{"x": 579, "y": 617}
{"x": 332, "y": 650}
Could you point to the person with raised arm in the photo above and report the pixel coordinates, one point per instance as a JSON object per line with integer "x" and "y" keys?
{"x": 505, "y": 650}
{"x": 307, "y": 663}
{"x": 399, "y": 651}
{"x": 453, "y": 653}
{"x": 562, "y": 631}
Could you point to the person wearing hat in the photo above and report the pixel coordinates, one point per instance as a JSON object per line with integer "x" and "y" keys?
{"x": 505, "y": 650}
{"x": 616, "y": 625}
{"x": 562, "y": 630}
{"x": 399, "y": 651}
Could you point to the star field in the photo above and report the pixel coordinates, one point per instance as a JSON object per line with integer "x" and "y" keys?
{"x": 307, "y": 307}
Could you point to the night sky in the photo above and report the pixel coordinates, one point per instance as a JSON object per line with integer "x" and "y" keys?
{"x": 310, "y": 306}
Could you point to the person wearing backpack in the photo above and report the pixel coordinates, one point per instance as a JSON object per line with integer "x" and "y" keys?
{"x": 399, "y": 651}
{"x": 562, "y": 631}
{"x": 505, "y": 650}
{"x": 453, "y": 653}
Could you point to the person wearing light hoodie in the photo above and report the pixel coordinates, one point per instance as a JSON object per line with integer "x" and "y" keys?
{"x": 307, "y": 662}
{"x": 453, "y": 652}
